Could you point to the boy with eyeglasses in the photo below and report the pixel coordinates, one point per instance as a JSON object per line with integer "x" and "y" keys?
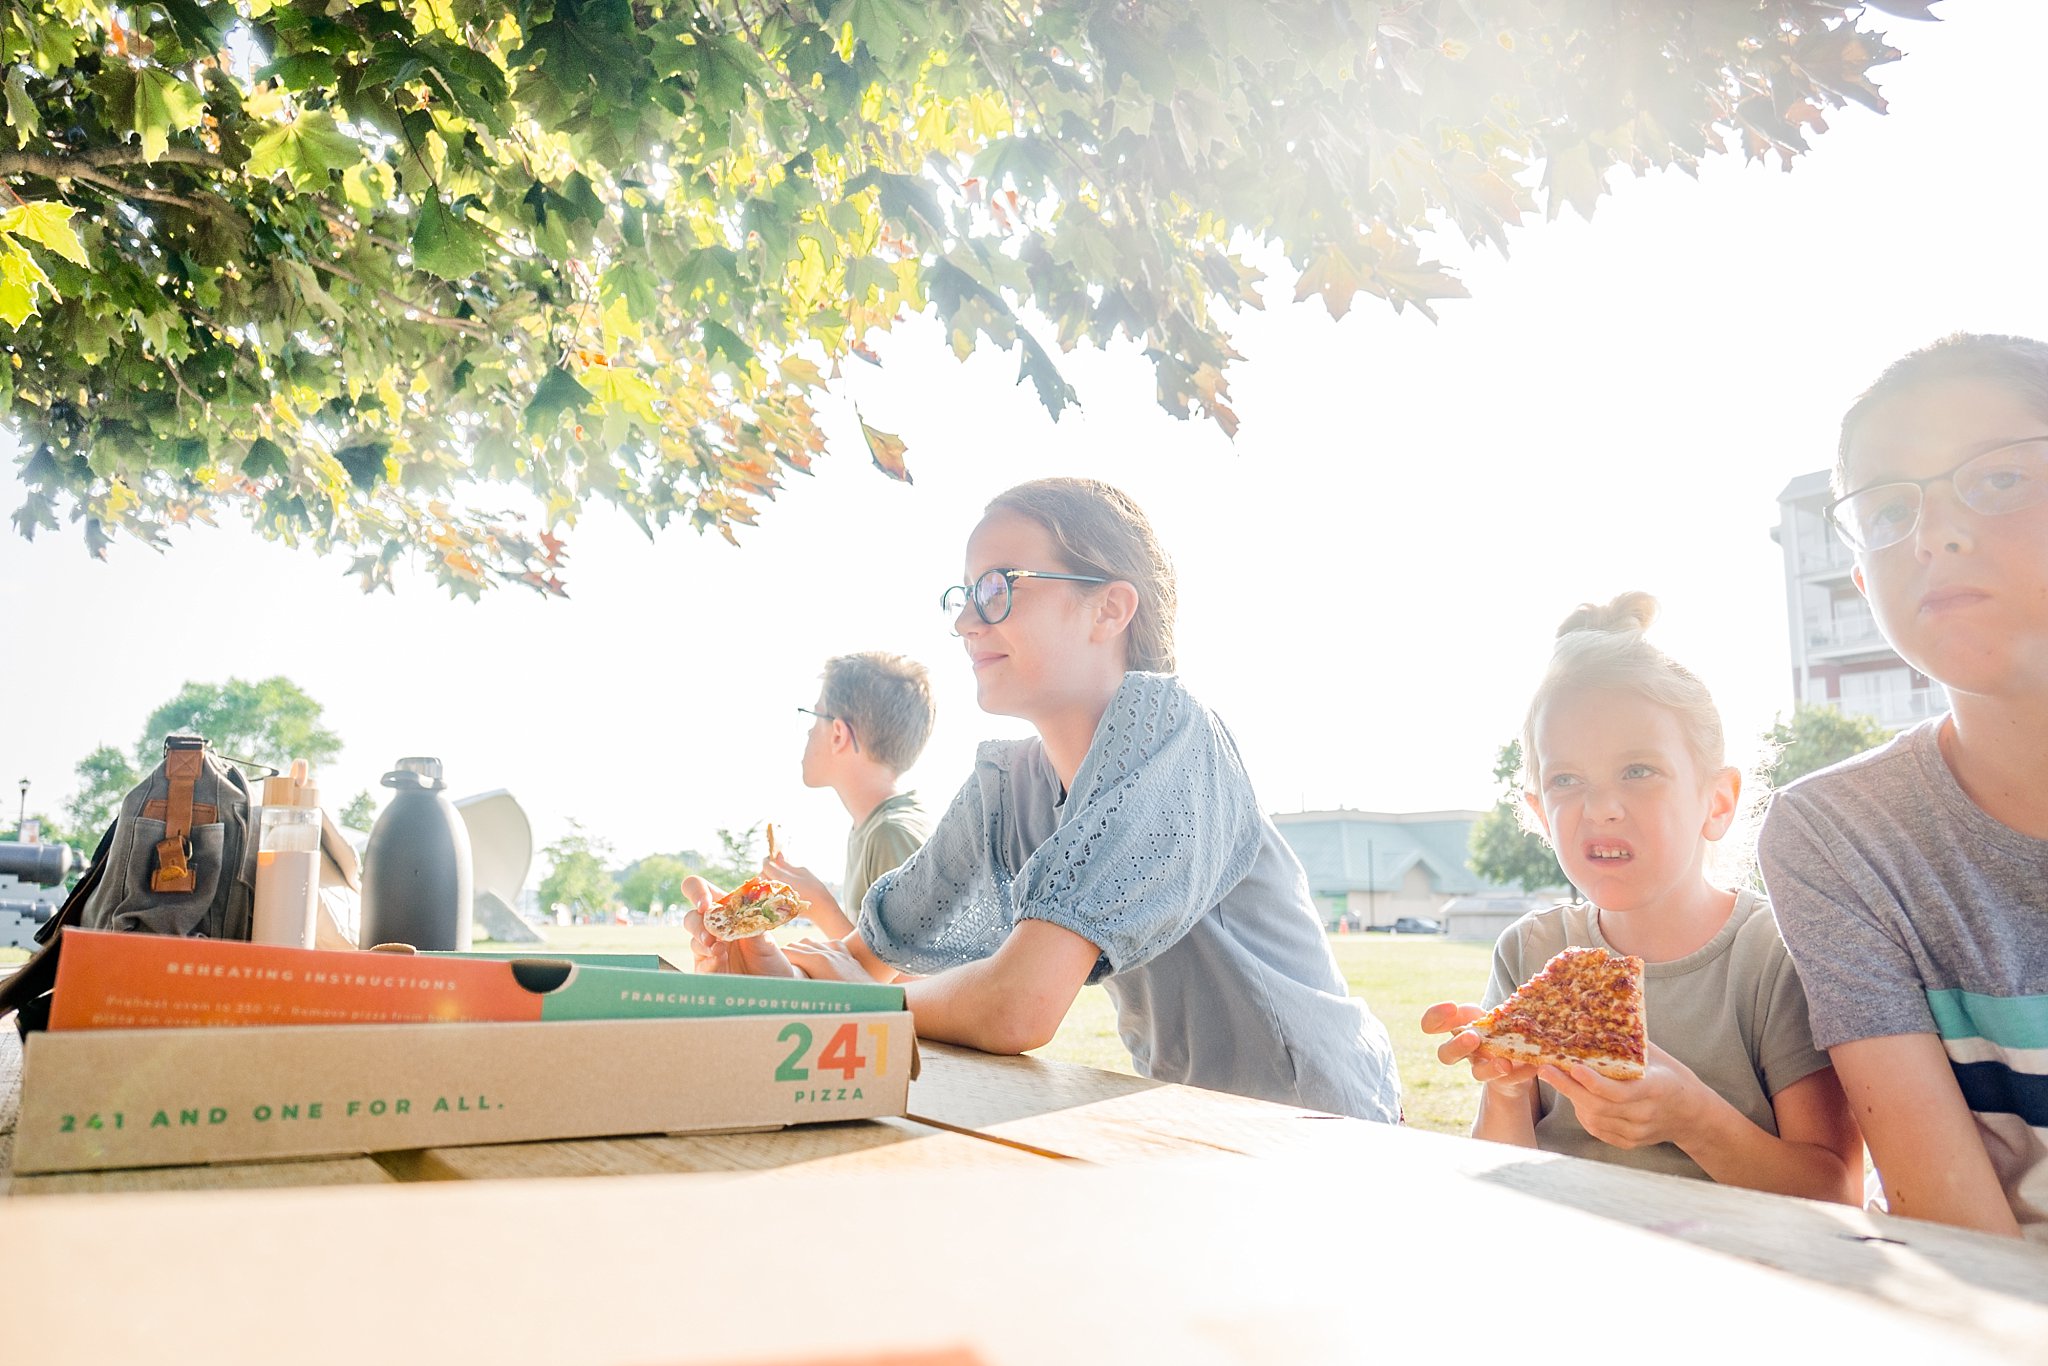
{"x": 873, "y": 716}
{"x": 1911, "y": 883}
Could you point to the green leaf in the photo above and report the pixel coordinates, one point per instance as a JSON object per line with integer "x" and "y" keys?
{"x": 49, "y": 224}
{"x": 23, "y": 119}
{"x": 163, "y": 105}
{"x": 307, "y": 149}
{"x": 557, "y": 393}
{"x": 446, "y": 243}
{"x": 632, "y": 283}
{"x": 300, "y": 71}
{"x": 720, "y": 340}
{"x": 21, "y": 280}
{"x": 264, "y": 459}
{"x": 364, "y": 463}
{"x": 17, "y": 300}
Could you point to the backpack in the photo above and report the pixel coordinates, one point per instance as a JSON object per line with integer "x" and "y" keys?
{"x": 179, "y": 859}
{"x": 183, "y": 857}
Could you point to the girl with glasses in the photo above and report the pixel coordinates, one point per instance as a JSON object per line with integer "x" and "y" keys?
{"x": 1912, "y": 881}
{"x": 1122, "y": 844}
{"x": 1624, "y": 769}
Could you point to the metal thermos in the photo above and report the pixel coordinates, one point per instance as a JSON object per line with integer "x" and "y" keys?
{"x": 416, "y": 879}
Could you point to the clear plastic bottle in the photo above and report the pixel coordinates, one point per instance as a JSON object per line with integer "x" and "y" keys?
{"x": 287, "y": 902}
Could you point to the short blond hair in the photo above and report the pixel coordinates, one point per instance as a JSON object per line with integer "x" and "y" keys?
{"x": 886, "y": 699}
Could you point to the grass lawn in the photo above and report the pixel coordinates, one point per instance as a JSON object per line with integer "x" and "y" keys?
{"x": 1396, "y": 974}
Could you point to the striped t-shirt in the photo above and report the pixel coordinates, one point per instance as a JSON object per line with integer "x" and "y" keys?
{"x": 1908, "y": 910}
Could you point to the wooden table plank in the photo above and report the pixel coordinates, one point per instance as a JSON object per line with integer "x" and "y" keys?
{"x": 1106, "y": 1117}
{"x": 858, "y": 1146}
{"x": 1948, "y": 1272}
{"x": 1196, "y": 1262}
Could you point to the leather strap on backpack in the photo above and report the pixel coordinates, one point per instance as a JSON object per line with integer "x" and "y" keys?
{"x": 174, "y": 873}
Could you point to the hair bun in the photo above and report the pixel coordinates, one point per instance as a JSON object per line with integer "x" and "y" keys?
{"x": 1628, "y": 612}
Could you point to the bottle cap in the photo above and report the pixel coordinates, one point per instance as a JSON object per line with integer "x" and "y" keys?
{"x": 416, "y": 771}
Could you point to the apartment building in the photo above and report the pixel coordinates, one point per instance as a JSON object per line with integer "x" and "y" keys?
{"x": 1838, "y": 656}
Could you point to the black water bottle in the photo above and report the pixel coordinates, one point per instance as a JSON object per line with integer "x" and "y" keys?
{"x": 416, "y": 880}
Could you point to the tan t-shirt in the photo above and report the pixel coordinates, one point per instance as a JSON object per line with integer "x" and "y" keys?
{"x": 1733, "y": 1011}
{"x": 892, "y": 832}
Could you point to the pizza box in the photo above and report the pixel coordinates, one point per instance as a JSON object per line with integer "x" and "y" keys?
{"x": 97, "y": 1098}
{"x": 144, "y": 981}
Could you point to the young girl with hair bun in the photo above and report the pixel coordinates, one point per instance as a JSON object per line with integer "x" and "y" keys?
{"x": 1122, "y": 844}
{"x": 1624, "y": 768}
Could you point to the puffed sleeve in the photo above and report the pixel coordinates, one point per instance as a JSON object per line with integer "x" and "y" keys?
{"x": 947, "y": 904}
{"x": 1162, "y": 822}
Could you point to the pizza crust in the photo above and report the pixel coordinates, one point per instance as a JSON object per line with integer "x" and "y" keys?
{"x": 1516, "y": 1049}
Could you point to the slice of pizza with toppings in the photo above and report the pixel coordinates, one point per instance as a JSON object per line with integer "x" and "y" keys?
{"x": 1585, "y": 1006}
{"x": 756, "y": 906}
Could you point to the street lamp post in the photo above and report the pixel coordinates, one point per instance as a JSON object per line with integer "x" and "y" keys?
{"x": 21, "y": 820}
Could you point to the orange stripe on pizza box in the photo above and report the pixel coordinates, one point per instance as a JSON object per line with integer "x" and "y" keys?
{"x": 143, "y": 981}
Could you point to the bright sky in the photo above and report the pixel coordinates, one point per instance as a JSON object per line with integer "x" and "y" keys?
{"x": 1369, "y": 577}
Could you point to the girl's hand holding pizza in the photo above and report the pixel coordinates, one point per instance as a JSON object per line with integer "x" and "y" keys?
{"x": 1446, "y": 1017}
{"x": 1664, "y": 1105}
{"x": 827, "y": 960}
{"x": 755, "y": 957}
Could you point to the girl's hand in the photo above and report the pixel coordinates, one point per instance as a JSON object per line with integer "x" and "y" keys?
{"x": 1502, "y": 1077}
{"x": 826, "y": 960}
{"x": 1661, "y": 1106}
{"x": 800, "y": 880}
{"x": 756, "y": 957}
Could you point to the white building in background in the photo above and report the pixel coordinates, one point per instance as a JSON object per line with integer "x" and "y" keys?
{"x": 1370, "y": 868}
{"x": 1838, "y": 656}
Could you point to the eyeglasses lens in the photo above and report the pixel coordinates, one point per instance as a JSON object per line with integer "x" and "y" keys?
{"x": 992, "y": 596}
{"x": 2005, "y": 480}
{"x": 2000, "y": 481}
{"x": 1881, "y": 516}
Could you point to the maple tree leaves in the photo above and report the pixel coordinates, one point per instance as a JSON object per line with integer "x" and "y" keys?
{"x": 342, "y": 269}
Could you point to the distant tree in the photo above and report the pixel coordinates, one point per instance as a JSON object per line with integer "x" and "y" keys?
{"x": 738, "y": 857}
{"x": 271, "y": 722}
{"x": 360, "y": 812}
{"x": 578, "y": 879}
{"x": 105, "y": 776}
{"x": 1819, "y": 734}
{"x": 656, "y": 880}
{"x": 1503, "y": 849}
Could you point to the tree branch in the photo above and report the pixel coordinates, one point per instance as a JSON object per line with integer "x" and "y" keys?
{"x": 78, "y": 164}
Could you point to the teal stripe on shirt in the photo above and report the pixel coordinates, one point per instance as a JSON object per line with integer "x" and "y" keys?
{"x": 2008, "y": 1021}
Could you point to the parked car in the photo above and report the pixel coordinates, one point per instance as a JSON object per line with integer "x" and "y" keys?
{"x": 1417, "y": 924}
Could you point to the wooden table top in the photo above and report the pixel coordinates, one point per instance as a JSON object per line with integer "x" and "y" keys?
{"x": 1025, "y": 1211}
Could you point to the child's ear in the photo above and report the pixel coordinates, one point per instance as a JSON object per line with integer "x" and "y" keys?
{"x": 1724, "y": 793}
{"x": 1535, "y": 805}
{"x": 1856, "y": 577}
{"x": 1115, "y": 610}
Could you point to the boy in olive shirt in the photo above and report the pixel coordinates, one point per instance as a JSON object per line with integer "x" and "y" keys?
{"x": 873, "y": 716}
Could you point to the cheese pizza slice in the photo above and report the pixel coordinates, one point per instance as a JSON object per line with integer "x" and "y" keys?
{"x": 756, "y": 906}
{"x": 1585, "y": 1006}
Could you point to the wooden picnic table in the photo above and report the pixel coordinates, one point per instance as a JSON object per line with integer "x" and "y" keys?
{"x": 1025, "y": 1211}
